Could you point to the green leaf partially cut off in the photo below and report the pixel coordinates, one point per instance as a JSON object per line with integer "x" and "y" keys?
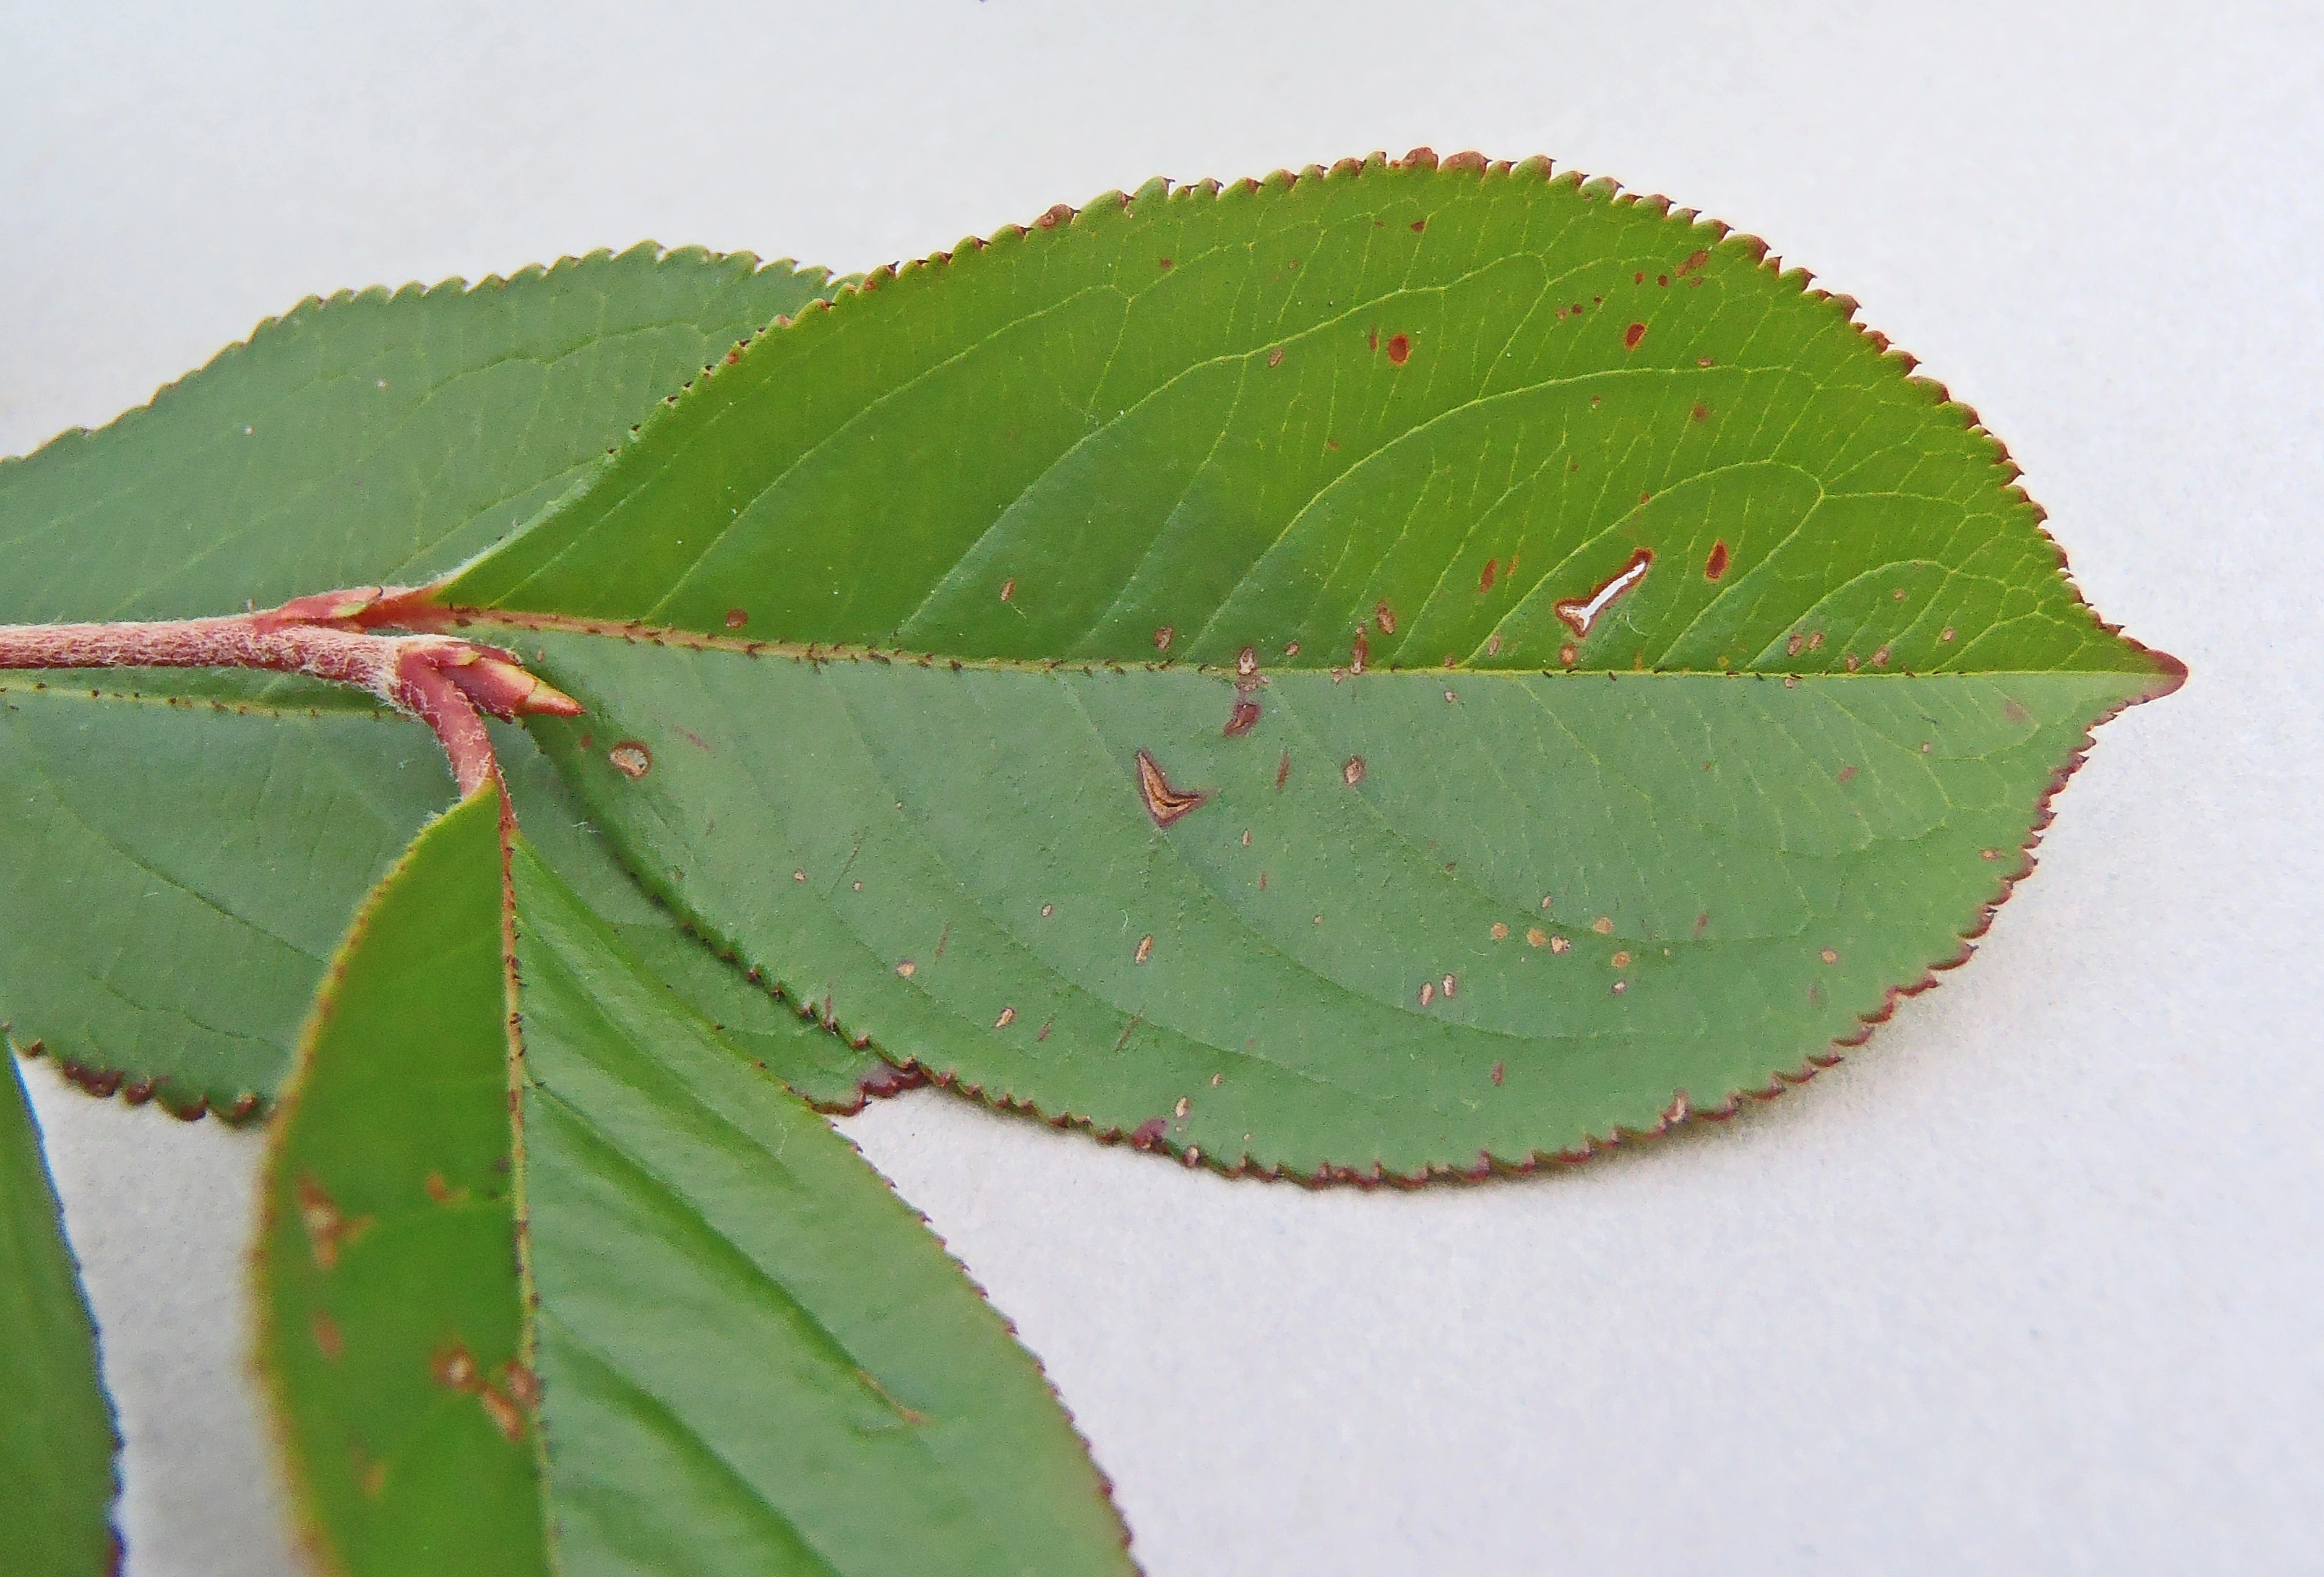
{"x": 57, "y": 1436}
{"x": 1409, "y": 668}
{"x": 742, "y": 1354}
{"x": 374, "y": 438}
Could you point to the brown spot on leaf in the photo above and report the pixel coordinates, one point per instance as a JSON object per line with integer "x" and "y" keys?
{"x": 502, "y": 1413}
{"x": 1451, "y": 983}
{"x": 1603, "y": 925}
{"x": 1008, "y": 1017}
{"x": 1695, "y": 260}
{"x": 1502, "y": 932}
{"x": 1633, "y": 335}
{"x": 328, "y": 1339}
{"x": 1007, "y": 588}
{"x": 1716, "y": 564}
{"x": 1948, "y": 634}
{"x": 1242, "y": 720}
{"x": 1274, "y": 356}
{"x": 1148, "y": 1133}
{"x": 1560, "y": 944}
{"x": 1164, "y": 803}
{"x": 1485, "y": 581}
{"x": 1622, "y": 960}
{"x": 1701, "y": 924}
{"x": 1162, "y": 637}
{"x": 1830, "y": 957}
{"x": 1145, "y": 949}
{"x": 1568, "y": 655}
{"x": 1845, "y": 774}
{"x": 1700, "y": 412}
{"x": 441, "y": 1192}
{"x": 1792, "y": 647}
{"x": 1363, "y": 651}
{"x": 736, "y": 618}
{"x": 524, "y": 1389}
{"x": 1181, "y": 1109}
{"x": 1247, "y": 662}
{"x": 1354, "y": 771}
{"x": 1283, "y": 771}
{"x": 630, "y": 759}
{"x": 1385, "y": 617}
{"x": 1418, "y": 226}
{"x": 454, "y": 1370}
{"x": 328, "y": 1231}
{"x": 1166, "y": 263}
{"x": 2014, "y": 711}
{"x": 1399, "y": 347}
{"x": 1815, "y": 640}
{"x": 908, "y": 969}
{"x": 1536, "y": 936}
{"x": 1427, "y": 992}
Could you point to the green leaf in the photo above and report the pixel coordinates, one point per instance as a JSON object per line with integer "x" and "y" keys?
{"x": 183, "y": 868}
{"x": 387, "y": 1268}
{"x": 1651, "y": 678}
{"x": 186, "y": 848}
{"x": 374, "y": 438}
{"x": 57, "y": 1435}
{"x": 179, "y": 872}
{"x": 750, "y": 1357}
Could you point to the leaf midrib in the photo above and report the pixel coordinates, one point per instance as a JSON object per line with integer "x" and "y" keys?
{"x": 815, "y": 651}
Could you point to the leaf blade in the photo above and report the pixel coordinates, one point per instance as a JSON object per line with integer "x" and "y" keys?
{"x": 748, "y": 1355}
{"x": 389, "y": 436}
{"x": 58, "y": 1437}
{"x": 964, "y": 866}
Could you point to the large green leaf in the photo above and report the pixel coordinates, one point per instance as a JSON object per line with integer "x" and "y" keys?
{"x": 57, "y": 1436}
{"x": 717, "y": 1342}
{"x": 1613, "y": 677}
{"x": 184, "y": 849}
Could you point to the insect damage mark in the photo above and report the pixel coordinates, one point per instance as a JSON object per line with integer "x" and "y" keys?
{"x": 630, "y": 759}
{"x": 1164, "y": 803}
{"x": 1580, "y": 614}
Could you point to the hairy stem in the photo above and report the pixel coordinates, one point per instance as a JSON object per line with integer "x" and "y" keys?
{"x": 440, "y": 679}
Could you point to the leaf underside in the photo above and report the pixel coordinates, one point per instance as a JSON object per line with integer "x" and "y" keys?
{"x": 1409, "y": 668}
{"x": 57, "y": 1436}
{"x": 747, "y": 1356}
{"x": 185, "y": 848}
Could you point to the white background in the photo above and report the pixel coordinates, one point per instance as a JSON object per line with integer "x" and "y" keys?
{"x": 2031, "y": 1283}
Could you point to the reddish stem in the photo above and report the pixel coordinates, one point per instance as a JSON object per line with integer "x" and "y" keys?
{"x": 438, "y": 678}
